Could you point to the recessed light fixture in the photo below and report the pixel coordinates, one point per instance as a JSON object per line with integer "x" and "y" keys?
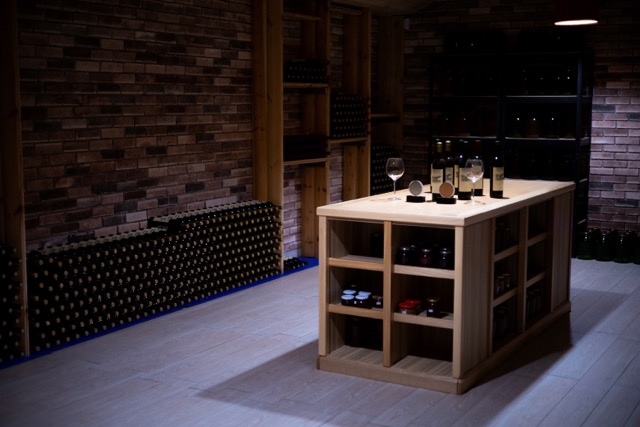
{"x": 576, "y": 12}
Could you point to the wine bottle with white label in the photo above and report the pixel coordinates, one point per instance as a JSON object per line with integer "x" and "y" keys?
{"x": 497, "y": 173}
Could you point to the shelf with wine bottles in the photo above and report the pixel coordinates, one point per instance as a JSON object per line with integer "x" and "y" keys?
{"x": 12, "y": 329}
{"x": 540, "y": 104}
{"x": 87, "y": 288}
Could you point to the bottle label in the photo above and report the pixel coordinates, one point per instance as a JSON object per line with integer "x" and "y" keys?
{"x": 498, "y": 179}
{"x": 449, "y": 175}
{"x": 456, "y": 176}
{"x": 465, "y": 183}
{"x": 437, "y": 176}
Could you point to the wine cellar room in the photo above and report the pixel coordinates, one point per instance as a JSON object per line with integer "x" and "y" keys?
{"x": 158, "y": 156}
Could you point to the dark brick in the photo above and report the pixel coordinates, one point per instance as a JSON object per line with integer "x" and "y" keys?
{"x": 156, "y": 151}
{"x": 78, "y": 215}
{"x": 112, "y": 154}
{"x": 167, "y": 201}
{"x": 194, "y": 187}
{"x": 112, "y": 220}
{"x": 56, "y": 193}
{"x": 135, "y": 195}
{"x": 103, "y": 187}
{"x": 77, "y": 170}
{"x": 125, "y": 207}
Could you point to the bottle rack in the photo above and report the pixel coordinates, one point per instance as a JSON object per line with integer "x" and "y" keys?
{"x": 524, "y": 236}
{"x": 536, "y": 102}
{"x": 12, "y": 331}
{"x": 298, "y": 35}
{"x": 82, "y": 289}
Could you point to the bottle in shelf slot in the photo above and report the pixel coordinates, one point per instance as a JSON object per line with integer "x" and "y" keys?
{"x": 497, "y": 173}
{"x": 438, "y": 170}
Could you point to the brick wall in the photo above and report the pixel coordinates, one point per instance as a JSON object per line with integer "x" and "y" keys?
{"x": 614, "y": 197}
{"x": 132, "y": 109}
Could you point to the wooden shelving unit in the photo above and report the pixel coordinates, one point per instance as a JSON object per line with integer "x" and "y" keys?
{"x": 271, "y": 94}
{"x": 269, "y": 116}
{"x": 450, "y": 352}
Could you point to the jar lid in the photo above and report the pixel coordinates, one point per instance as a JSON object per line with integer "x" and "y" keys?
{"x": 347, "y": 297}
{"x": 433, "y": 299}
{"x": 407, "y": 304}
{"x": 362, "y": 297}
{"x": 366, "y": 293}
{"x": 348, "y": 292}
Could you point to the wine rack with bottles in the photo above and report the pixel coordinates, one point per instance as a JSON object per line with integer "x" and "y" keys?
{"x": 11, "y": 306}
{"x": 437, "y": 319}
{"x": 536, "y": 101}
{"x": 82, "y": 289}
{"x": 349, "y": 116}
{"x": 380, "y": 182}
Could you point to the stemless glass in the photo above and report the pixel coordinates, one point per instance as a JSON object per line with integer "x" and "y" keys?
{"x": 394, "y": 169}
{"x": 474, "y": 170}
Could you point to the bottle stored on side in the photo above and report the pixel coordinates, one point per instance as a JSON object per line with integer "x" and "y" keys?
{"x": 497, "y": 173}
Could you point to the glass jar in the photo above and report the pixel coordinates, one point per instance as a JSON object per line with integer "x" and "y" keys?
{"x": 362, "y": 301}
{"x": 406, "y": 307}
{"x": 376, "y": 301}
{"x": 433, "y": 307}
{"x": 347, "y": 299}
{"x": 445, "y": 259}
{"x": 403, "y": 255}
{"x": 425, "y": 258}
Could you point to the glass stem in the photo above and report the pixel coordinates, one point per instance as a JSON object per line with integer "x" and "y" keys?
{"x": 394, "y": 188}
{"x": 473, "y": 190}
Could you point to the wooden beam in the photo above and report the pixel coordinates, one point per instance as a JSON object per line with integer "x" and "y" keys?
{"x": 12, "y": 229}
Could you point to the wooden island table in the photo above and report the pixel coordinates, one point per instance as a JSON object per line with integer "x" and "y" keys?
{"x": 508, "y": 280}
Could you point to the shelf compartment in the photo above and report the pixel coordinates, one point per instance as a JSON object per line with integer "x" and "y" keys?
{"x": 445, "y": 322}
{"x": 537, "y": 239}
{"x": 505, "y": 296}
{"x": 358, "y": 262}
{"x": 506, "y": 234}
{"x": 535, "y": 279}
{"x": 411, "y": 370}
{"x": 355, "y": 311}
{"x": 425, "y": 366}
{"x": 505, "y": 253}
{"x": 436, "y": 273}
{"x": 356, "y": 239}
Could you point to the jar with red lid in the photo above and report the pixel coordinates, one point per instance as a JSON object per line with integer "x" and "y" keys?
{"x": 407, "y": 307}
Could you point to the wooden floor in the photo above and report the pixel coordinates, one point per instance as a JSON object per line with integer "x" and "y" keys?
{"x": 249, "y": 359}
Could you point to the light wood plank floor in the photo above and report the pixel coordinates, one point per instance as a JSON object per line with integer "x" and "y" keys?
{"x": 248, "y": 359}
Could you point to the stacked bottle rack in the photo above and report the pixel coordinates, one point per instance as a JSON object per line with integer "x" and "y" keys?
{"x": 86, "y": 288}
{"x": 11, "y": 330}
{"x": 380, "y": 182}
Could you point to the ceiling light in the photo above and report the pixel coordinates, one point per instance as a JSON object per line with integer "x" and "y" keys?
{"x": 576, "y": 12}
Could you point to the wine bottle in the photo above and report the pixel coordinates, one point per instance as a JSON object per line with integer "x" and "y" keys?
{"x": 448, "y": 160}
{"x": 438, "y": 167}
{"x": 497, "y": 173}
{"x": 464, "y": 186}
{"x": 477, "y": 154}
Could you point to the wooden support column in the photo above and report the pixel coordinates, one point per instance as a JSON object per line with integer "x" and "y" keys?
{"x": 12, "y": 230}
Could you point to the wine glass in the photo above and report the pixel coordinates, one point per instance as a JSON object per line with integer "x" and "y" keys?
{"x": 394, "y": 169}
{"x": 474, "y": 170}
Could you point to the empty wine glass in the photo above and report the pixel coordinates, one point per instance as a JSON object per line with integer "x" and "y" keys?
{"x": 394, "y": 169}
{"x": 474, "y": 170}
